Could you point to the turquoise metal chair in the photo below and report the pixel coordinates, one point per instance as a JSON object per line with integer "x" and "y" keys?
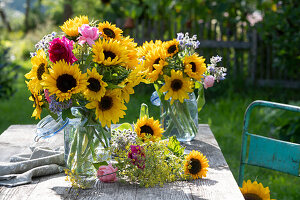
{"x": 267, "y": 152}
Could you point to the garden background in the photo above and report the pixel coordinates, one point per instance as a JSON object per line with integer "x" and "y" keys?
{"x": 258, "y": 39}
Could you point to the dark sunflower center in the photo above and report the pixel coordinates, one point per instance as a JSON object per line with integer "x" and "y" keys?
{"x": 193, "y": 66}
{"x": 65, "y": 82}
{"x": 110, "y": 33}
{"x": 172, "y": 49}
{"x": 40, "y": 71}
{"x": 106, "y": 103}
{"x": 195, "y": 166}
{"x": 251, "y": 196}
{"x": 147, "y": 129}
{"x": 108, "y": 54}
{"x": 155, "y": 63}
{"x": 34, "y": 99}
{"x": 94, "y": 84}
{"x": 176, "y": 84}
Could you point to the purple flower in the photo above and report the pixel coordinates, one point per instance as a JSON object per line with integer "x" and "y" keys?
{"x": 57, "y": 106}
{"x": 137, "y": 156}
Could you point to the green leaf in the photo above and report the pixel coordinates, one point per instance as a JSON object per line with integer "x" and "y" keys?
{"x": 124, "y": 126}
{"x": 67, "y": 114}
{"x": 175, "y": 147}
{"x": 144, "y": 111}
{"x": 99, "y": 164}
{"x": 113, "y": 86}
{"x": 197, "y": 84}
{"x": 200, "y": 98}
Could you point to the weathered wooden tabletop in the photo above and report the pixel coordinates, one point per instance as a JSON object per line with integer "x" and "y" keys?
{"x": 218, "y": 185}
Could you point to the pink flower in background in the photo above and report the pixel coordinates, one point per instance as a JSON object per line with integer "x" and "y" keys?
{"x": 89, "y": 34}
{"x": 137, "y": 156}
{"x": 61, "y": 49}
{"x": 107, "y": 174}
{"x": 254, "y": 18}
{"x": 209, "y": 81}
{"x": 47, "y": 95}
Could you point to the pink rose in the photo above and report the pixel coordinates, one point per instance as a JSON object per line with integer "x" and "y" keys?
{"x": 107, "y": 174}
{"x": 47, "y": 95}
{"x": 137, "y": 156}
{"x": 88, "y": 34}
{"x": 209, "y": 81}
{"x": 61, "y": 49}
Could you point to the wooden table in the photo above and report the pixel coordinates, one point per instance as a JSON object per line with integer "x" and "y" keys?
{"x": 218, "y": 185}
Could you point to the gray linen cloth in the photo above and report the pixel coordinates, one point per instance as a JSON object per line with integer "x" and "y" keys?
{"x": 23, "y": 167}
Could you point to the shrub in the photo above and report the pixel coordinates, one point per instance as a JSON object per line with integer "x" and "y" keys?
{"x": 8, "y": 73}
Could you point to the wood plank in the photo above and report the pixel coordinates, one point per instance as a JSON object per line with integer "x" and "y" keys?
{"x": 224, "y": 44}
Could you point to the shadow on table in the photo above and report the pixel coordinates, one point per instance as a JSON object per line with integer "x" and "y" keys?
{"x": 119, "y": 190}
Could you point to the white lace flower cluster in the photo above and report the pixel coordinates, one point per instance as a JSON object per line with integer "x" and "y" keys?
{"x": 219, "y": 73}
{"x": 121, "y": 139}
{"x": 186, "y": 42}
{"x": 43, "y": 43}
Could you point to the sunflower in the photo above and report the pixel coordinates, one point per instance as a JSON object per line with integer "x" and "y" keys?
{"x": 110, "y": 52}
{"x": 157, "y": 70}
{"x": 37, "y": 103}
{"x": 148, "y": 46}
{"x": 196, "y": 164}
{"x": 39, "y": 68}
{"x": 70, "y": 27}
{"x": 96, "y": 87}
{"x": 127, "y": 85}
{"x": 194, "y": 66}
{"x": 177, "y": 86}
{"x": 132, "y": 52}
{"x": 64, "y": 80}
{"x": 109, "y": 109}
{"x": 148, "y": 126}
{"x": 255, "y": 191}
{"x": 171, "y": 47}
{"x": 110, "y": 31}
{"x": 153, "y": 57}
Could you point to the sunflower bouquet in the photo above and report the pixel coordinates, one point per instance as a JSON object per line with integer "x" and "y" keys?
{"x": 176, "y": 71}
{"x": 144, "y": 156}
{"x": 88, "y": 71}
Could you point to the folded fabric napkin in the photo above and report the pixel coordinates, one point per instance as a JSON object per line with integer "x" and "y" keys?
{"x": 23, "y": 167}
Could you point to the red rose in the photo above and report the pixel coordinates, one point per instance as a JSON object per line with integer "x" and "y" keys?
{"x": 61, "y": 49}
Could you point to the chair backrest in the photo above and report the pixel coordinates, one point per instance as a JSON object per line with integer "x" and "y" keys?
{"x": 267, "y": 152}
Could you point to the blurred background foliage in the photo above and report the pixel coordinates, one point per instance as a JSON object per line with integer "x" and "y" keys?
{"x": 24, "y": 22}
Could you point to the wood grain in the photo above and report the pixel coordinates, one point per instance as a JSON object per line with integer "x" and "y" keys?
{"x": 219, "y": 183}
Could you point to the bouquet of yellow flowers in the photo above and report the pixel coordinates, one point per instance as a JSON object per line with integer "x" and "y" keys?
{"x": 176, "y": 70}
{"x": 88, "y": 71}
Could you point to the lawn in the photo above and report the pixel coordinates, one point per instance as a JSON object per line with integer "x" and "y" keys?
{"x": 223, "y": 111}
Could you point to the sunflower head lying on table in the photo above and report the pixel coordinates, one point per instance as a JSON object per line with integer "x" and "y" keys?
{"x": 144, "y": 156}
{"x": 90, "y": 65}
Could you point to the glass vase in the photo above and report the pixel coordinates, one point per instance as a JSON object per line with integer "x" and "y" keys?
{"x": 85, "y": 143}
{"x": 180, "y": 119}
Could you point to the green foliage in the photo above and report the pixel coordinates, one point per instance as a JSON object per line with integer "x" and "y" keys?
{"x": 160, "y": 164}
{"x": 8, "y": 74}
{"x": 285, "y": 125}
{"x": 280, "y": 28}
{"x": 175, "y": 147}
{"x": 98, "y": 164}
